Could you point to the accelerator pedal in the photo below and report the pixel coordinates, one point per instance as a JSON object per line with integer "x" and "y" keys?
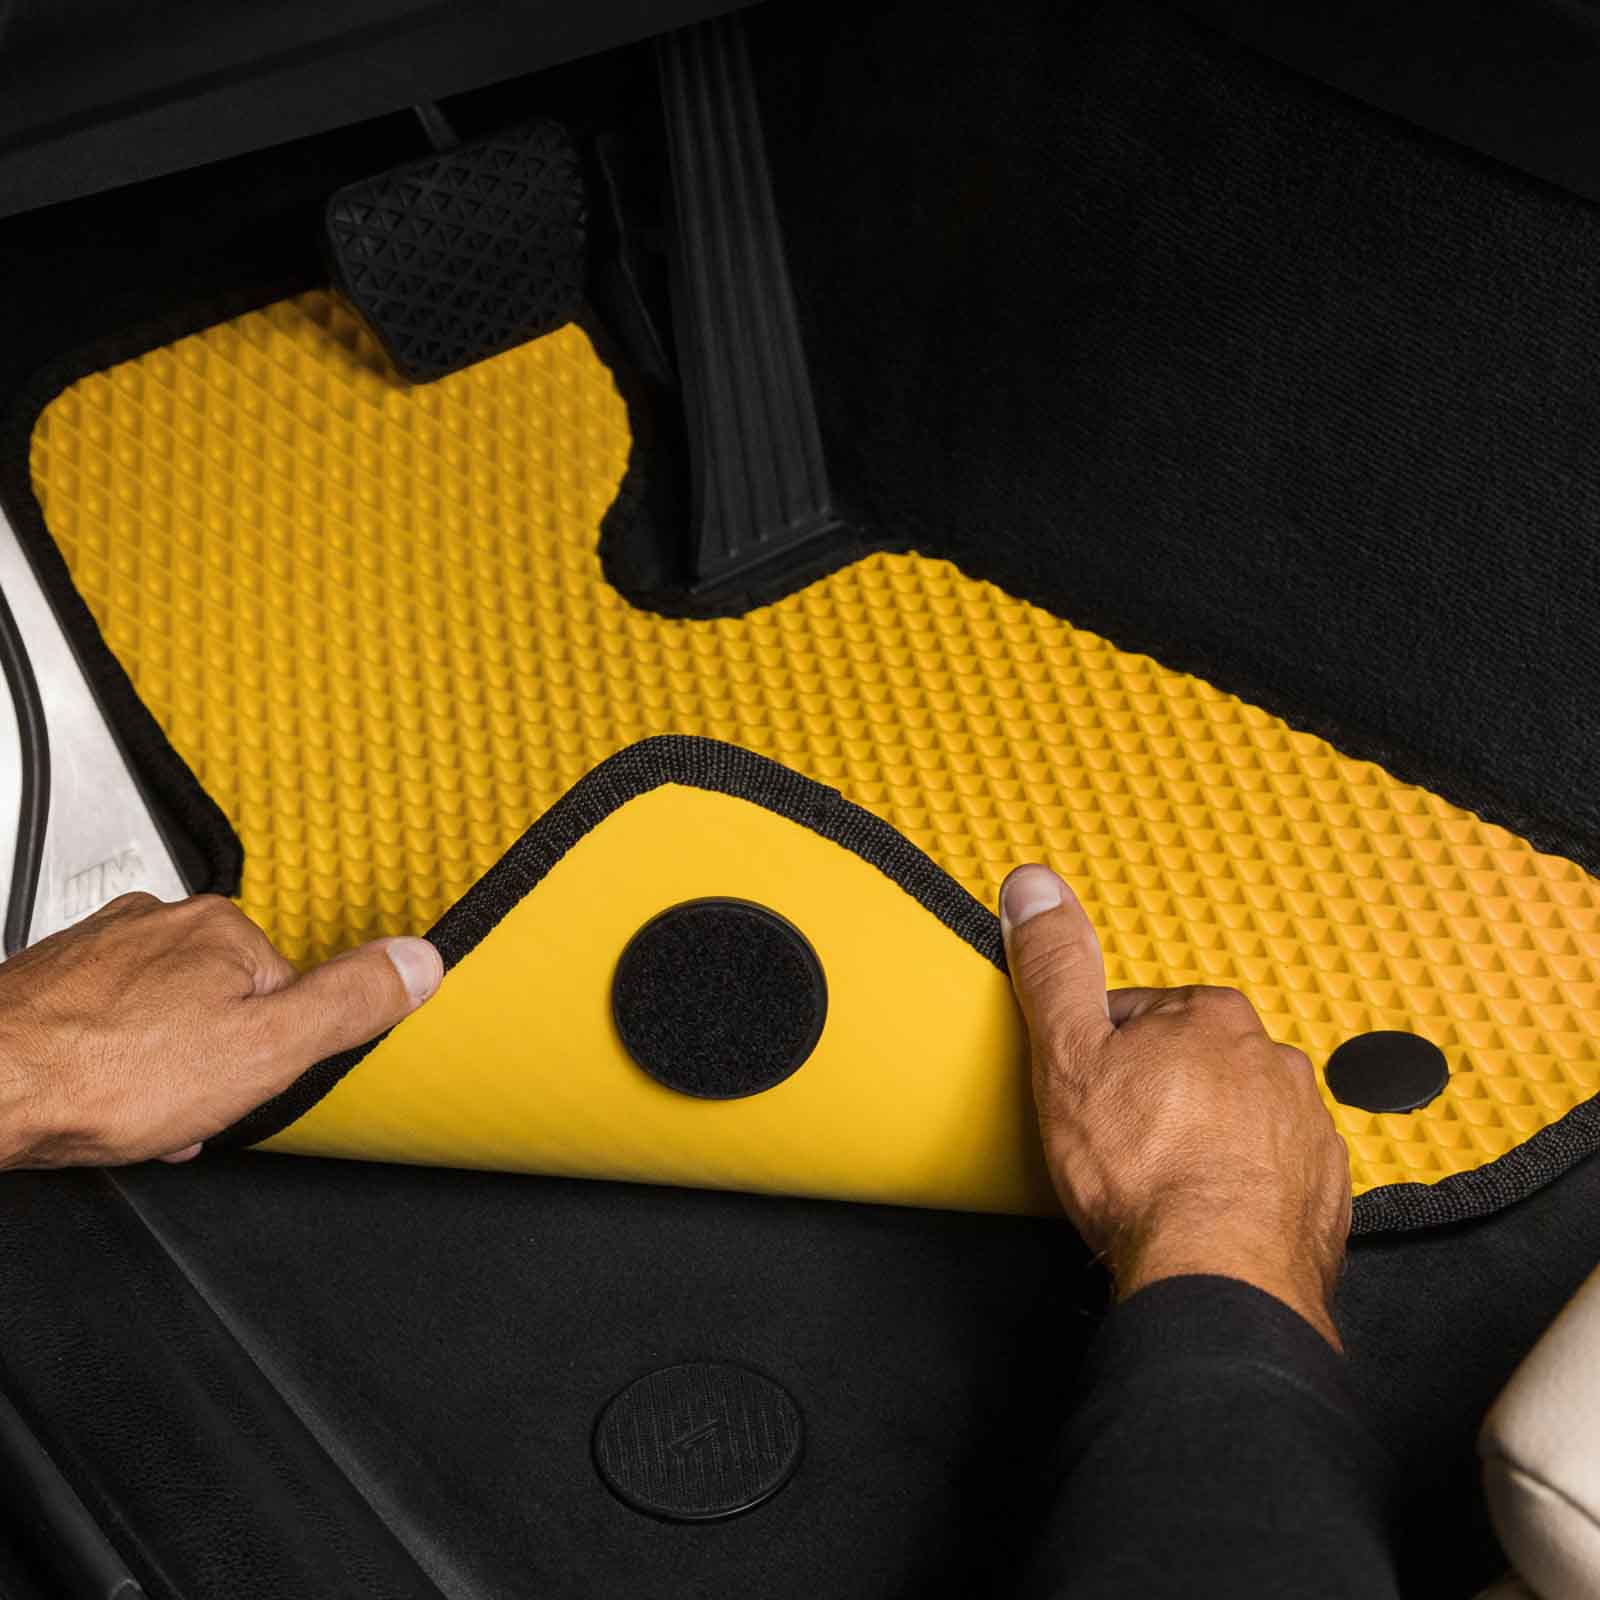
{"x": 761, "y": 498}
{"x": 467, "y": 252}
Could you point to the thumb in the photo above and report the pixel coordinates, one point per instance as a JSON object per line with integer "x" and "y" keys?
{"x": 354, "y": 997}
{"x": 1053, "y": 954}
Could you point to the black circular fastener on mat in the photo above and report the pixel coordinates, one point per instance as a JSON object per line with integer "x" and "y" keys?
{"x": 698, "y": 1442}
{"x": 719, "y": 998}
{"x": 1387, "y": 1071}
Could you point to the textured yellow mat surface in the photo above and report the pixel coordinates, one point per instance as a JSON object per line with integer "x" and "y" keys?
{"x": 373, "y": 620}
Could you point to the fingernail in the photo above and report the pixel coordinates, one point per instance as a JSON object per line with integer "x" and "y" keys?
{"x": 1027, "y": 892}
{"x": 420, "y": 966}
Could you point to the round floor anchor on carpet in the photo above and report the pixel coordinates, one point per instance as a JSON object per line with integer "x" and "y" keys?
{"x": 1387, "y": 1071}
{"x": 719, "y": 998}
{"x": 698, "y": 1442}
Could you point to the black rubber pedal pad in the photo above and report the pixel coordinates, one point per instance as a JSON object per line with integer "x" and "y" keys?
{"x": 464, "y": 254}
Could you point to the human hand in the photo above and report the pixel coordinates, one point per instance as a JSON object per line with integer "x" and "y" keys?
{"x": 1180, "y": 1137}
{"x": 150, "y": 1027}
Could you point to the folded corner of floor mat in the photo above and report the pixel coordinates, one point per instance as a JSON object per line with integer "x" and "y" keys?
{"x": 701, "y": 968}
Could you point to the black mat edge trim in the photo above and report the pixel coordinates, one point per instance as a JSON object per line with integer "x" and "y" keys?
{"x": 710, "y": 764}
{"x": 1540, "y": 1159}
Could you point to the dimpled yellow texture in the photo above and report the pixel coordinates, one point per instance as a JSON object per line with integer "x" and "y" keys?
{"x": 373, "y": 620}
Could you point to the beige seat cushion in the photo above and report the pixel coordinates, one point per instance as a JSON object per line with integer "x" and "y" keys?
{"x": 1541, "y": 1457}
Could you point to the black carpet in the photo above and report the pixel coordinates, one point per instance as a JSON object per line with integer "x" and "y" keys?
{"x": 449, "y": 1338}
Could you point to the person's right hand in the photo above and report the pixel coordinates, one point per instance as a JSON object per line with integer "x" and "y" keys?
{"x": 150, "y": 1027}
{"x": 1180, "y": 1137}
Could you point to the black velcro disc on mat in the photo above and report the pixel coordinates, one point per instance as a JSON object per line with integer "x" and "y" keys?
{"x": 1387, "y": 1071}
{"x": 719, "y": 998}
{"x": 698, "y": 1442}
{"x": 467, "y": 253}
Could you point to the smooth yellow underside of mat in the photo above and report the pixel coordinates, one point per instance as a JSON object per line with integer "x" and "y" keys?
{"x": 373, "y": 619}
{"x": 918, "y": 1091}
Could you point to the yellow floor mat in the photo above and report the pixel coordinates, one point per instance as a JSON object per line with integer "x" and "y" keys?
{"x": 373, "y": 620}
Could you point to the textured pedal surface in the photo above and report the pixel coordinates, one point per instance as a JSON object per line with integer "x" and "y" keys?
{"x": 374, "y": 622}
{"x": 466, "y": 253}
{"x": 760, "y": 474}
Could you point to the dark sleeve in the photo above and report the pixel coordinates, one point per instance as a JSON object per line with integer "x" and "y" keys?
{"x": 1216, "y": 1451}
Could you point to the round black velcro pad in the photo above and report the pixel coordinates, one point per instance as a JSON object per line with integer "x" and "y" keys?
{"x": 1387, "y": 1071}
{"x": 697, "y": 1442}
{"x": 719, "y": 998}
